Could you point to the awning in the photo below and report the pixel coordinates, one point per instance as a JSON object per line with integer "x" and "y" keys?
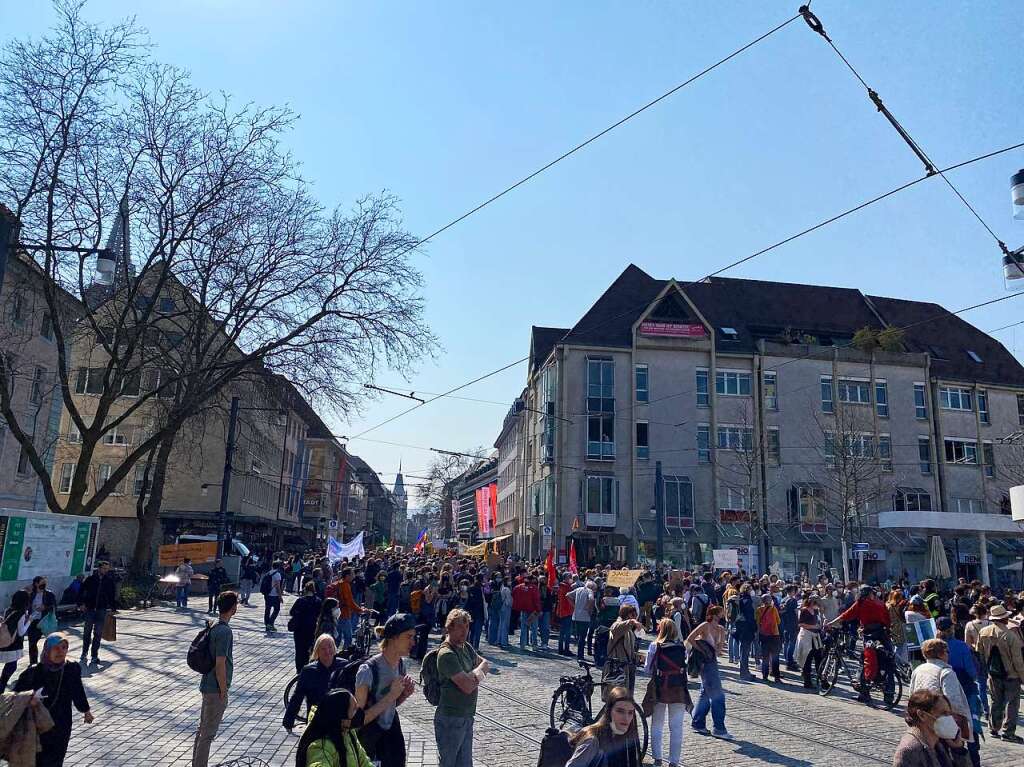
{"x": 499, "y": 539}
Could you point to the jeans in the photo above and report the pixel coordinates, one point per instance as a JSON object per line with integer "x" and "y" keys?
{"x": 345, "y": 631}
{"x": 493, "y": 619}
{"x": 454, "y": 736}
{"x": 244, "y": 590}
{"x": 789, "y": 636}
{"x": 181, "y": 596}
{"x": 565, "y": 635}
{"x": 209, "y": 722}
{"x": 527, "y": 630}
{"x": 1005, "y": 704}
{"x": 545, "y": 628}
{"x": 712, "y": 698}
{"x": 271, "y": 608}
{"x": 675, "y": 713}
{"x": 734, "y": 646}
{"x": 983, "y": 691}
{"x": 92, "y": 632}
{"x": 745, "y": 658}
{"x": 476, "y": 628}
{"x": 503, "y": 620}
{"x": 769, "y": 656}
{"x": 581, "y": 629}
{"x": 392, "y": 607}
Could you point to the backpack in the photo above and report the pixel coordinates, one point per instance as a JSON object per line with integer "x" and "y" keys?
{"x": 698, "y": 607}
{"x": 5, "y": 635}
{"x": 555, "y": 748}
{"x": 430, "y": 680}
{"x": 266, "y": 583}
{"x": 766, "y": 625}
{"x": 200, "y": 656}
{"x": 670, "y": 665}
{"x": 996, "y": 668}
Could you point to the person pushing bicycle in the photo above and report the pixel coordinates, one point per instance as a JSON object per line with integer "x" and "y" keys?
{"x": 875, "y": 621}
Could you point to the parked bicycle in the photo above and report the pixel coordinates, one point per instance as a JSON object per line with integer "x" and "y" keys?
{"x": 571, "y": 706}
{"x": 364, "y": 637}
{"x": 888, "y": 664}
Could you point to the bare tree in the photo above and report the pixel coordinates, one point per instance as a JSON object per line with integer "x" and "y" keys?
{"x": 437, "y": 490}
{"x": 221, "y": 268}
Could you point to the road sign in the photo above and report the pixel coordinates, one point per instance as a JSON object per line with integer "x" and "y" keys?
{"x": 862, "y": 547}
{"x": 333, "y": 524}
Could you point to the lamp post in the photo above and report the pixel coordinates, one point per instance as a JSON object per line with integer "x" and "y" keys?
{"x": 1013, "y": 260}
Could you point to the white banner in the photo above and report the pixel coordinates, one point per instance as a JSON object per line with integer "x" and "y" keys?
{"x": 726, "y": 559}
{"x": 336, "y": 551}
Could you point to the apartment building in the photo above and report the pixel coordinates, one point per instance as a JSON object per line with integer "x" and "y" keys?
{"x": 510, "y": 500}
{"x": 473, "y": 491}
{"x": 782, "y": 427}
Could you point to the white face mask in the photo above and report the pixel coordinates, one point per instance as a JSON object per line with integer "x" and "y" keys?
{"x": 618, "y": 730}
{"x": 946, "y": 727}
{"x": 336, "y": 612}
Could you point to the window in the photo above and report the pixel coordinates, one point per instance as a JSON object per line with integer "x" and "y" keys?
{"x": 885, "y": 451}
{"x": 36, "y": 395}
{"x": 735, "y": 438}
{"x": 732, "y": 498}
{"x": 911, "y": 499}
{"x": 730, "y": 334}
{"x": 855, "y": 392}
{"x": 89, "y": 381}
{"x": 130, "y": 384}
{"x": 969, "y": 505}
{"x": 703, "y": 443}
{"x": 881, "y": 399}
{"x": 771, "y": 390}
{"x": 924, "y": 454}
{"x": 988, "y": 455}
{"x": 23, "y": 463}
{"x": 827, "y": 406}
{"x": 856, "y": 446}
{"x": 643, "y": 448}
{"x": 732, "y": 384}
{"x": 602, "y": 501}
{"x": 67, "y": 472}
{"x": 961, "y": 451}
{"x": 1020, "y": 409}
{"x": 139, "y": 485}
{"x": 115, "y": 436}
{"x": 163, "y": 381}
{"x": 983, "y": 407}
{"x": 74, "y": 436}
{"x": 807, "y": 506}
{"x": 601, "y": 437}
{"x": 678, "y": 502}
{"x": 103, "y": 472}
{"x": 920, "y": 408}
{"x": 46, "y": 331}
{"x": 600, "y": 378}
{"x": 974, "y": 356}
{"x": 704, "y": 397}
{"x": 953, "y": 398}
{"x": 166, "y": 305}
{"x": 642, "y": 383}
{"x": 774, "y": 446}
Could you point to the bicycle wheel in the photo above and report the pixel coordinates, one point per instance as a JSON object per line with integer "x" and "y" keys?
{"x": 641, "y": 727}
{"x": 289, "y": 690}
{"x": 569, "y": 708}
{"x": 829, "y": 673}
{"x": 897, "y": 692}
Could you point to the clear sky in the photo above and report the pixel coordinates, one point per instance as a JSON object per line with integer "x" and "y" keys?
{"x": 446, "y": 103}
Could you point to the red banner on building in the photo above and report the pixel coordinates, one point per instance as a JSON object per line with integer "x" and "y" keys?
{"x": 672, "y": 329}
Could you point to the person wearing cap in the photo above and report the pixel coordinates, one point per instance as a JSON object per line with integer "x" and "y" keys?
{"x": 381, "y": 686}
{"x": 1002, "y": 654}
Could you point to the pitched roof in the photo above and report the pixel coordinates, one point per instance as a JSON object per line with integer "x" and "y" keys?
{"x": 542, "y": 341}
{"x": 609, "y": 321}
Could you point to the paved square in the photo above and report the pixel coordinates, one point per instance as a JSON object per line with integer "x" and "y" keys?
{"x": 146, "y": 703}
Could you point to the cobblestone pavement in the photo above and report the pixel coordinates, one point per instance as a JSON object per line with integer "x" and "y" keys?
{"x": 146, "y": 702}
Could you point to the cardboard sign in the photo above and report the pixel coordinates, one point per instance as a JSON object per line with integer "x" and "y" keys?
{"x": 175, "y": 553}
{"x": 620, "y": 578}
{"x": 726, "y": 559}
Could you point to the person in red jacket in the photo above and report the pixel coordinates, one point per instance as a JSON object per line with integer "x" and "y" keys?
{"x": 563, "y": 611}
{"x": 874, "y": 618}
{"x": 350, "y": 611}
{"x": 526, "y": 601}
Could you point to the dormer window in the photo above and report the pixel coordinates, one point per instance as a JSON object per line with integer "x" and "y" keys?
{"x": 730, "y": 334}
{"x": 974, "y": 357}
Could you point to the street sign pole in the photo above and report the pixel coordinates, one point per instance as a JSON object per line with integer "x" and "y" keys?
{"x": 225, "y": 485}
{"x": 659, "y": 508}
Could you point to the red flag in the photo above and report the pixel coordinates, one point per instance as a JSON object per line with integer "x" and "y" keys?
{"x": 572, "y": 557}
{"x": 549, "y": 566}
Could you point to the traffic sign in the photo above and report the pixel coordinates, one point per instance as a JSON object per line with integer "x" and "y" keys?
{"x": 862, "y": 547}
{"x": 333, "y": 524}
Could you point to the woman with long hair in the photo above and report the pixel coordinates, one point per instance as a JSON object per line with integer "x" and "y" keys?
{"x": 709, "y": 639}
{"x": 42, "y": 603}
{"x": 330, "y": 738}
{"x": 933, "y": 737}
{"x": 666, "y": 663}
{"x": 381, "y": 686}
{"x": 17, "y": 620}
{"x": 315, "y": 678}
{"x": 613, "y": 740}
{"x": 896, "y": 604}
{"x": 327, "y": 620}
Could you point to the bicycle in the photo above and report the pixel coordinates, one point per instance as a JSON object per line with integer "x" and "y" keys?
{"x": 571, "y": 706}
{"x": 834, "y": 662}
{"x": 364, "y": 635}
{"x": 349, "y": 656}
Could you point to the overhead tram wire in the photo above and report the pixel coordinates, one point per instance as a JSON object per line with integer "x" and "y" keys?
{"x": 745, "y": 259}
{"x": 816, "y": 26}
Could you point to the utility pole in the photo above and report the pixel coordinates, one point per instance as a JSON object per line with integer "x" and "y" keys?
{"x": 225, "y": 485}
{"x": 659, "y": 514}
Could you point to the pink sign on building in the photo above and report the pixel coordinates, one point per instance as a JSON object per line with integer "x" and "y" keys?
{"x": 672, "y": 329}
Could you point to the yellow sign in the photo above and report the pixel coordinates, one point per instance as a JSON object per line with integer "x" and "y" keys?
{"x": 476, "y": 551}
{"x": 200, "y": 553}
{"x": 620, "y": 578}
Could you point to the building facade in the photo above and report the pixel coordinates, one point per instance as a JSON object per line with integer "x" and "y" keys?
{"x": 771, "y": 430}
{"x": 510, "y": 497}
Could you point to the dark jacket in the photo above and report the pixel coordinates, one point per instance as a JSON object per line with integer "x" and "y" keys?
{"x": 745, "y": 625}
{"x": 12, "y": 618}
{"x": 61, "y": 689}
{"x": 314, "y": 683}
{"x": 218, "y": 577}
{"x": 304, "y": 613}
{"x": 49, "y": 602}
{"x": 99, "y": 593}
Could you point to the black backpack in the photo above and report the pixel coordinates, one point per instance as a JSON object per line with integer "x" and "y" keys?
{"x": 555, "y": 748}
{"x": 996, "y": 668}
{"x": 266, "y": 583}
{"x": 698, "y": 607}
{"x": 200, "y": 656}
{"x": 670, "y": 665}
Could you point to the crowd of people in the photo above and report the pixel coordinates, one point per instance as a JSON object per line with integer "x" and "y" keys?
{"x": 675, "y": 626}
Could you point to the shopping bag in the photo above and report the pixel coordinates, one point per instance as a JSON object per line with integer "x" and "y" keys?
{"x": 110, "y": 628}
{"x": 48, "y": 624}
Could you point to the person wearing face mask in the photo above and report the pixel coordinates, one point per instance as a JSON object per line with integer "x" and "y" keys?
{"x": 937, "y": 675}
{"x": 314, "y": 678}
{"x": 613, "y": 740}
{"x": 327, "y": 620}
{"x": 61, "y": 685}
{"x": 42, "y": 604}
{"x": 330, "y": 737}
{"x": 933, "y": 739}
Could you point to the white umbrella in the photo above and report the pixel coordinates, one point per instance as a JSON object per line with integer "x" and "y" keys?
{"x": 1015, "y": 566}
{"x": 938, "y": 565}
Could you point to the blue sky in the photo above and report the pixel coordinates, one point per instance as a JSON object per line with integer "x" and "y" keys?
{"x": 444, "y": 104}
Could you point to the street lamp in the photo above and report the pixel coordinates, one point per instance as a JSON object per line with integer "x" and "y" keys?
{"x": 1017, "y": 194}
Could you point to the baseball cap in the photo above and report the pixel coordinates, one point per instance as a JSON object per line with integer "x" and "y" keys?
{"x": 397, "y": 624}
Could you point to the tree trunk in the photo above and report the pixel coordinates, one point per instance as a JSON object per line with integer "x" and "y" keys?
{"x": 150, "y": 517}
{"x": 846, "y": 558}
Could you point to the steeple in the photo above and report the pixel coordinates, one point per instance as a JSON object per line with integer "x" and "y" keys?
{"x": 399, "y": 490}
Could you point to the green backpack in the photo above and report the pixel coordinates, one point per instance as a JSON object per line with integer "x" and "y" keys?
{"x": 430, "y": 680}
